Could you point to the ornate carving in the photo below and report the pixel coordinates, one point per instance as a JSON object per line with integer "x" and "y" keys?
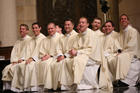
{"x": 58, "y": 10}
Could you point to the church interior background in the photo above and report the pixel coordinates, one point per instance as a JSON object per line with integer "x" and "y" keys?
{"x": 16, "y": 12}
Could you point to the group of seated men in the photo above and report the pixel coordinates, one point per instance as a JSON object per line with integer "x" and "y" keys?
{"x": 83, "y": 59}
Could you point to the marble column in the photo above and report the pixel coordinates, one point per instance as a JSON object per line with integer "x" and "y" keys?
{"x": 113, "y": 12}
{"x": 8, "y": 22}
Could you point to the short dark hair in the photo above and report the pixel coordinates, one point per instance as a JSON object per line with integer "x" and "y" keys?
{"x": 36, "y": 23}
{"x": 85, "y": 18}
{"x": 110, "y": 21}
{"x": 124, "y": 15}
{"x": 69, "y": 19}
{"x": 26, "y": 26}
{"x": 98, "y": 18}
{"x": 51, "y": 23}
{"x": 102, "y": 26}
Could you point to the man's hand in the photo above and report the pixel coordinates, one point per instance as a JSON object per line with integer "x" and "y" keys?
{"x": 59, "y": 58}
{"x": 29, "y": 60}
{"x": 20, "y": 60}
{"x": 73, "y": 52}
{"x": 13, "y": 63}
{"x": 46, "y": 57}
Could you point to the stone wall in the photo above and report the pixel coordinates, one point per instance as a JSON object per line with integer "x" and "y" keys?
{"x": 26, "y": 12}
{"x": 131, "y": 8}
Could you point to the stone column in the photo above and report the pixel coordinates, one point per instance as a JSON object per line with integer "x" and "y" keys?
{"x": 112, "y": 14}
{"x": 8, "y": 24}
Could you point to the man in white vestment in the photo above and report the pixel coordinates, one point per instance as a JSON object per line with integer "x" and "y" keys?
{"x": 59, "y": 68}
{"x": 85, "y": 58}
{"x": 90, "y": 75}
{"x": 115, "y": 57}
{"x": 130, "y": 42}
{"x": 23, "y": 72}
{"x": 59, "y": 30}
{"x": 96, "y": 25}
{"x": 47, "y": 55}
{"x": 16, "y": 55}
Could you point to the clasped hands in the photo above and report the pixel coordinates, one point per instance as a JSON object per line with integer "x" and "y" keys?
{"x": 45, "y": 57}
{"x": 19, "y": 61}
{"x": 72, "y": 53}
{"x": 29, "y": 60}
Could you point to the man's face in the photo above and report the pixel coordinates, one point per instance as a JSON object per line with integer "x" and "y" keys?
{"x": 103, "y": 29}
{"x": 68, "y": 26}
{"x": 23, "y": 31}
{"x": 36, "y": 29}
{"x": 83, "y": 24}
{"x": 108, "y": 27}
{"x": 96, "y": 24}
{"x": 124, "y": 21}
{"x": 58, "y": 29}
{"x": 51, "y": 29}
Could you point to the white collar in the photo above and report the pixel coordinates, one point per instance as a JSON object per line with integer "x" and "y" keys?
{"x": 126, "y": 29}
{"x": 38, "y": 36}
{"x": 84, "y": 33}
{"x": 25, "y": 37}
{"x": 53, "y": 36}
{"x": 69, "y": 34}
{"x": 96, "y": 30}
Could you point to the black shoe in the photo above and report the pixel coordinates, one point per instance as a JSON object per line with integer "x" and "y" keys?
{"x": 122, "y": 84}
{"x": 74, "y": 87}
{"x": 8, "y": 91}
{"x": 48, "y": 90}
{"x": 137, "y": 85}
{"x": 57, "y": 90}
{"x": 120, "y": 90}
{"x": 115, "y": 84}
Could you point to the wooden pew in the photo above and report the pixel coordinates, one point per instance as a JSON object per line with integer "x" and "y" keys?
{"x": 5, "y": 52}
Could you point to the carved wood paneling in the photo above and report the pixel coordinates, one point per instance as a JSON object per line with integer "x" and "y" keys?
{"x": 6, "y": 52}
{"x": 58, "y": 10}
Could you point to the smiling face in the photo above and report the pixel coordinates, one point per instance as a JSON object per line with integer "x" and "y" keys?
{"x": 96, "y": 24}
{"x": 83, "y": 24}
{"x": 51, "y": 29}
{"x": 109, "y": 27}
{"x": 68, "y": 26}
{"x": 58, "y": 29}
{"x": 36, "y": 29}
{"x": 23, "y": 31}
{"x": 124, "y": 21}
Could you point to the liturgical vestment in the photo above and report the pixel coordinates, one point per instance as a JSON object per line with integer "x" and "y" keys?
{"x": 60, "y": 69}
{"x": 42, "y": 70}
{"x": 23, "y": 72}
{"x": 130, "y": 42}
{"x": 16, "y": 54}
{"x": 104, "y": 78}
{"x": 115, "y": 57}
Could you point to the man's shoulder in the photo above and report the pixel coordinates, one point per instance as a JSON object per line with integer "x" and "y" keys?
{"x": 42, "y": 35}
{"x": 132, "y": 29}
{"x": 114, "y": 34}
